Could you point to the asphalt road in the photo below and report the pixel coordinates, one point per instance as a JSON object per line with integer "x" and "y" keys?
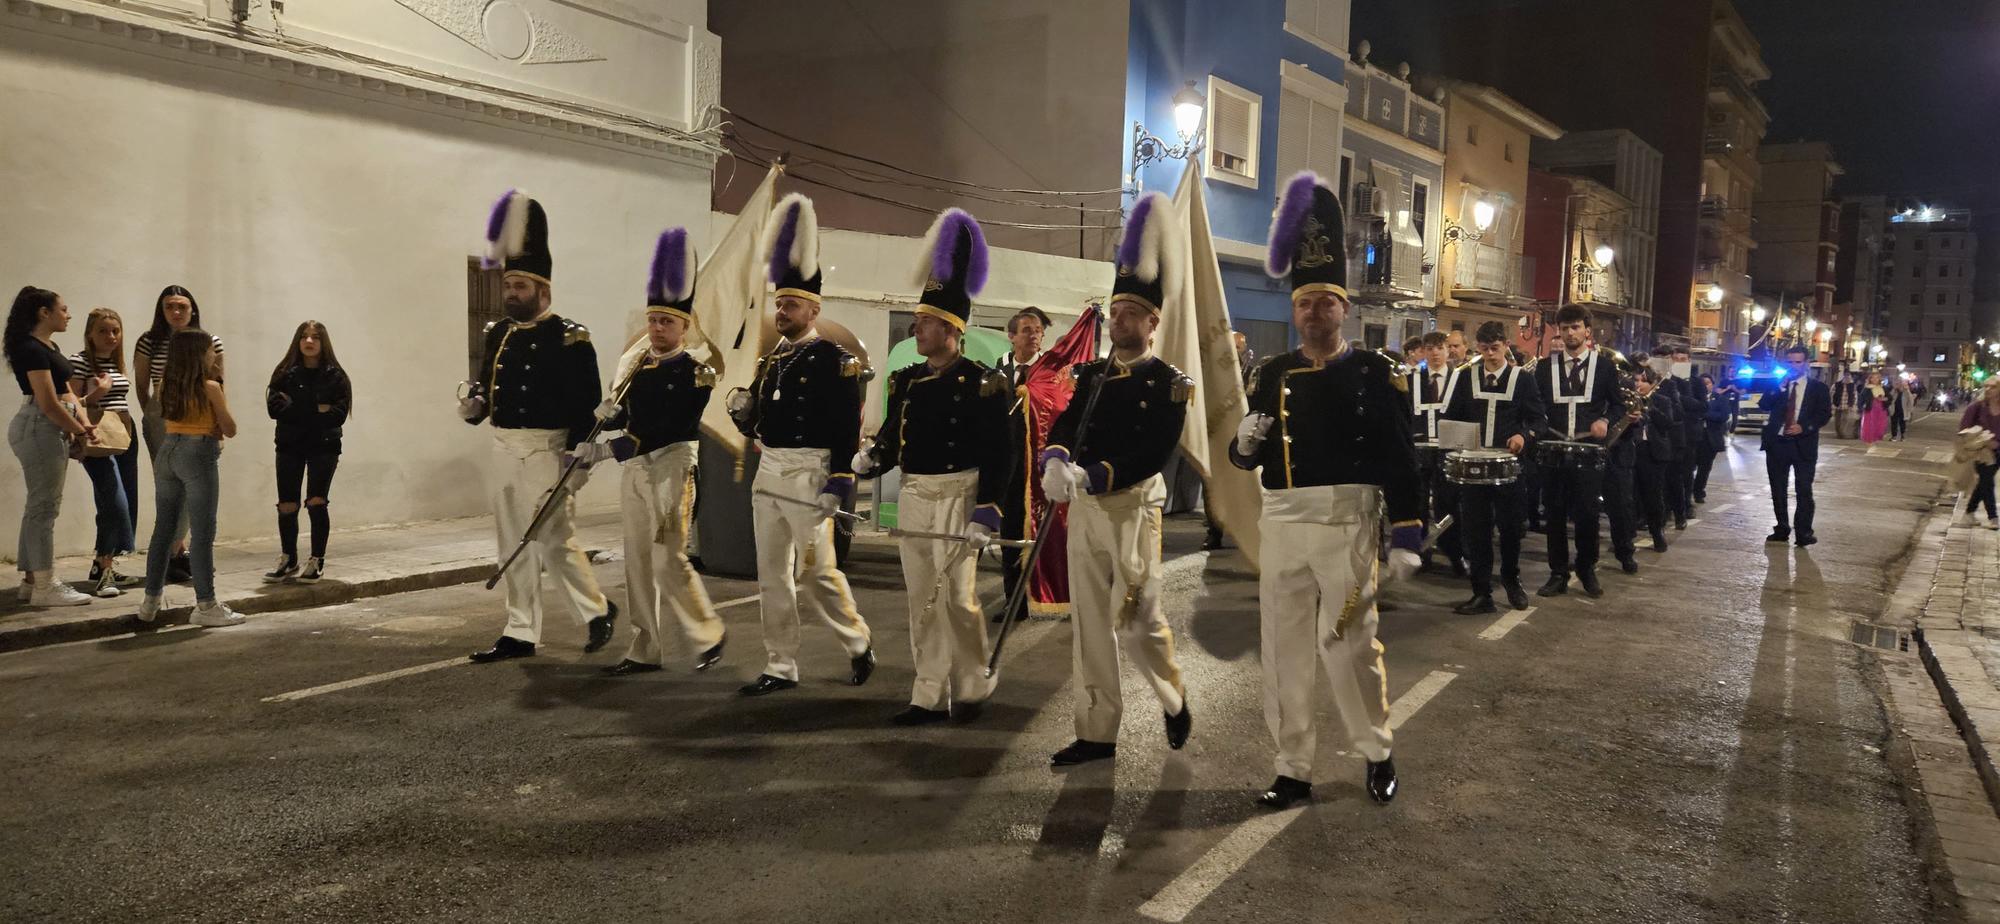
{"x": 1702, "y": 744}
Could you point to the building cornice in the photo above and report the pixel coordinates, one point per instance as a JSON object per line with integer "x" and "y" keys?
{"x": 170, "y": 32}
{"x": 1422, "y": 152}
{"x": 1505, "y": 106}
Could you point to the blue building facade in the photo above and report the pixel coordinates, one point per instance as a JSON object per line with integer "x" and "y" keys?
{"x": 1249, "y": 59}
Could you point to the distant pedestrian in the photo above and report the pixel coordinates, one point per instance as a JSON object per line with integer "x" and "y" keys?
{"x": 99, "y": 380}
{"x": 1984, "y": 412}
{"x": 1715, "y": 432}
{"x": 1874, "y": 410}
{"x": 174, "y": 310}
{"x": 1901, "y": 404}
{"x": 40, "y": 436}
{"x": 1795, "y": 413}
{"x": 310, "y": 398}
{"x": 186, "y": 476}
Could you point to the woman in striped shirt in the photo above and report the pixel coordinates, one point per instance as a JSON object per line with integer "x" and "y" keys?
{"x": 99, "y": 379}
{"x": 175, "y": 310}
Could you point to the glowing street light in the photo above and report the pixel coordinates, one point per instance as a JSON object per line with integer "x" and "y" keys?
{"x": 1482, "y": 215}
{"x": 1784, "y": 322}
{"x": 1188, "y": 106}
{"x": 1812, "y": 324}
{"x": 1604, "y": 255}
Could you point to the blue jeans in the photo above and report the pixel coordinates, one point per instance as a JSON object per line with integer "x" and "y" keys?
{"x": 44, "y": 454}
{"x": 185, "y": 481}
{"x": 115, "y": 482}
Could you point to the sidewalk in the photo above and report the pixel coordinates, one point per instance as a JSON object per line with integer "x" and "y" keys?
{"x": 368, "y": 562}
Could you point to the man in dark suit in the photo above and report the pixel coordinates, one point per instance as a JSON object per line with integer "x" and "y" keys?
{"x": 1791, "y": 443}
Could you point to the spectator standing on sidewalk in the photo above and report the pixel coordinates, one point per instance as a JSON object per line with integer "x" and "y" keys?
{"x": 40, "y": 436}
{"x": 1901, "y": 403}
{"x": 1874, "y": 410}
{"x": 100, "y": 381}
{"x": 1984, "y": 412}
{"x": 186, "y": 476}
{"x": 1794, "y": 415}
{"x": 175, "y": 310}
{"x": 310, "y": 398}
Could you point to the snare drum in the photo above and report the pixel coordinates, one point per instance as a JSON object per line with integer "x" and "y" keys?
{"x": 1569, "y": 454}
{"x": 1482, "y": 466}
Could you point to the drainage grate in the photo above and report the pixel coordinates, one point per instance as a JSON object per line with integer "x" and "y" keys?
{"x": 1875, "y": 636}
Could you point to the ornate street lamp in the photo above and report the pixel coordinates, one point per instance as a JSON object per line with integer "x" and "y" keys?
{"x": 1148, "y": 148}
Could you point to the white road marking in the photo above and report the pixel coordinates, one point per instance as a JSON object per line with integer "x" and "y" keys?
{"x": 1937, "y": 456}
{"x": 1505, "y": 624}
{"x": 1188, "y": 890}
{"x": 1720, "y": 508}
{"x": 418, "y": 669}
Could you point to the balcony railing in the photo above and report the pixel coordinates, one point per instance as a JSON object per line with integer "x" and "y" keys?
{"x": 1714, "y": 207}
{"x": 1488, "y": 272}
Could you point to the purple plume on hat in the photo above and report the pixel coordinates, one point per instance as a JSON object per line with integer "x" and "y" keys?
{"x": 954, "y": 227}
{"x": 668, "y": 281}
{"x": 781, "y": 247}
{"x": 1290, "y": 222}
{"x": 1135, "y": 228}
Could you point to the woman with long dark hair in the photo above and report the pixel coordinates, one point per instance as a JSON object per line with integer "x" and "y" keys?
{"x": 310, "y": 397}
{"x": 186, "y": 479}
{"x": 175, "y": 310}
{"x": 101, "y": 382}
{"x": 40, "y": 435}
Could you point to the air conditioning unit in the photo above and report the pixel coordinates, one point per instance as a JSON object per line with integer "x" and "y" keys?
{"x": 1370, "y": 201}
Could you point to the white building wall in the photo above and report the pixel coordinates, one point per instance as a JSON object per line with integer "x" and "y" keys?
{"x": 278, "y": 195}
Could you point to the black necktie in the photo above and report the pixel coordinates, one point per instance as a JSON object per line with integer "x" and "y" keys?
{"x": 1575, "y": 376}
{"x": 1492, "y": 382}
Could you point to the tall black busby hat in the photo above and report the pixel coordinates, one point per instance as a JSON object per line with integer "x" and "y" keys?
{"x": 1151, "y": 254}
{"x": 1309, "y": 238}
{"x": 791, "y": 247}
{"x": 953, "y": 268}
{"x": 670, "y": 284}
{"x": 517, "y": 237}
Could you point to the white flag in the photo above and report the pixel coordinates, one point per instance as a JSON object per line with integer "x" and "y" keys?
{"x": 728, "y": 305}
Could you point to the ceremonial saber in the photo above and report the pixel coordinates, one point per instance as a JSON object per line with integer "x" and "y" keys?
{"x": 954, "y": 537}
{"x": 555, "y": 493}
{"x": 787, "y": 498}
{"x": 1359, "y": 604}
{"x": 1016, "y": 599}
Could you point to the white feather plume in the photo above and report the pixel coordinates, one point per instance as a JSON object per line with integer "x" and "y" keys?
{"x": 513, "y": 230}
{"x": 805, "y": 243}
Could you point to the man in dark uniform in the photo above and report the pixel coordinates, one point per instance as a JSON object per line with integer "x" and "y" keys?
{"x": 1430, "y": 383}
{"x": 1579, "y": 389}
{"x": 537, "y": 382}
{"x": 804, "y": 408}
{"x": 946, "y": 428}
{"x": 1506, "y": 405}
{"x": 1655, "y": 449}
{"x": 1329, "y": 426}
{"x": 1796, "y": 412}
{"x": 1105, "y": 454}
{"x": 1691, "y": 393}
{"x": 1024, "y": 332}
{"x": 660, "y": 413}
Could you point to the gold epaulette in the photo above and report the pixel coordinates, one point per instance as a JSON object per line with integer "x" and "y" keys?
{"x": 1182, "y": 390}
{"x": 704, "y": 375}
{"x": 850, "y": 366}
{"x": 574, "y": 333}
{"x": 994, "y": 382}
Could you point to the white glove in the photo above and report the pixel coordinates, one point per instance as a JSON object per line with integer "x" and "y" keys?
{"x": 471, "y": 407}
{"x": 1250, "y": 433}
{"x": 828, "y": 504}
{"x": 588, "y": 454}
{"x": 1403, "y": 565}
{"x": 739, "y": 402}
{"x": 606, "y": 410}
{"x": 1058, "y": 481}
{"x": 863, "y": 464}
{"x": 978, "y": 537}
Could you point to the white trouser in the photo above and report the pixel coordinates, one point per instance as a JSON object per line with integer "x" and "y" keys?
{"x": 654, "y": 499}
{"x": 1319, "y": 551}
{"x": 1114, "y": 557}
{"x": 947, "y": 629}
{"x": 529, "y": 462}
{"x": 795, "y": 560}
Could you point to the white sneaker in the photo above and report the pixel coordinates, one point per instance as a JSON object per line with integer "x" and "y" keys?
{"x": 57, "y": 594}
{"x": 216, "y": 614}
{"x": 149, "y": 609}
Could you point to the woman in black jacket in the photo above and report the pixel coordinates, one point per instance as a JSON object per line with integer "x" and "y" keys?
{"x": 309, "y": 396}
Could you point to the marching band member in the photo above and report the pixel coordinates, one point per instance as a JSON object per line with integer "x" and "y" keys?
{"x": 1579, "y": 390}
{"x": 1431, "y": 381}
{"x": 804, "y": 407}
{"x": 1329, "y": 425}
{"x": 1024, "y": 333}
{"x": 537, "y": 383}
{"x": 1105, "y": 454}
{"x": 660, "y": 412}
{"x": 1507, "y": 406}
{"x": 946, "y": 426}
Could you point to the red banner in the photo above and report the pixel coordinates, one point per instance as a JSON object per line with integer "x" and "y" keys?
{"x": 1046, "y": 394}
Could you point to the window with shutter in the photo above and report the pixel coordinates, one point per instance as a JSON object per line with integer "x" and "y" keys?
{"x": 1233, "y": 121}
{"x": 1324, "y": 21}
{"x": 1294, "y": 133}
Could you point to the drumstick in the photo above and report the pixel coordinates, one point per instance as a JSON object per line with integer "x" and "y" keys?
{"x": 1357, "y": 603}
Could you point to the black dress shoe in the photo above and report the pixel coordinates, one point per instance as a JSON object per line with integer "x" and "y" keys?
{"x": 1680, "y": 521}
{"x": 708, "y": 659}
{"x": 1555, "y": 586}
{"x": 1285, "y": 793}
{"x": 1178, "y": 726}
{"x": 1628, "y": 564}
{"x": 1516, "y": 597}
{"x": 766, "y": 684}
{"x": 629, "y": 666}
{"x": 1806, "y": 539}
{"x": 1382, "y": 778}
{"x": 1589, "y": 581}
{"x": 864, "y": 667}
{"x": 1700, "y": 498}
{"x": 968, "y": 712}
{"x": 1081, "y": 752}
{"x": 601, "y": 628}
{"x": 918, "y": 715}
{"x": 1480, "y": 603}
{"x": 1212, "y": 541}
{"x": 1659, "y": 541}
{"x": 506, "y": 647}
{"x": 1780, "y": 536}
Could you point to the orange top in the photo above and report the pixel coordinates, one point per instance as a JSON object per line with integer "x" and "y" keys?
{"x": 202, "y": 424}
